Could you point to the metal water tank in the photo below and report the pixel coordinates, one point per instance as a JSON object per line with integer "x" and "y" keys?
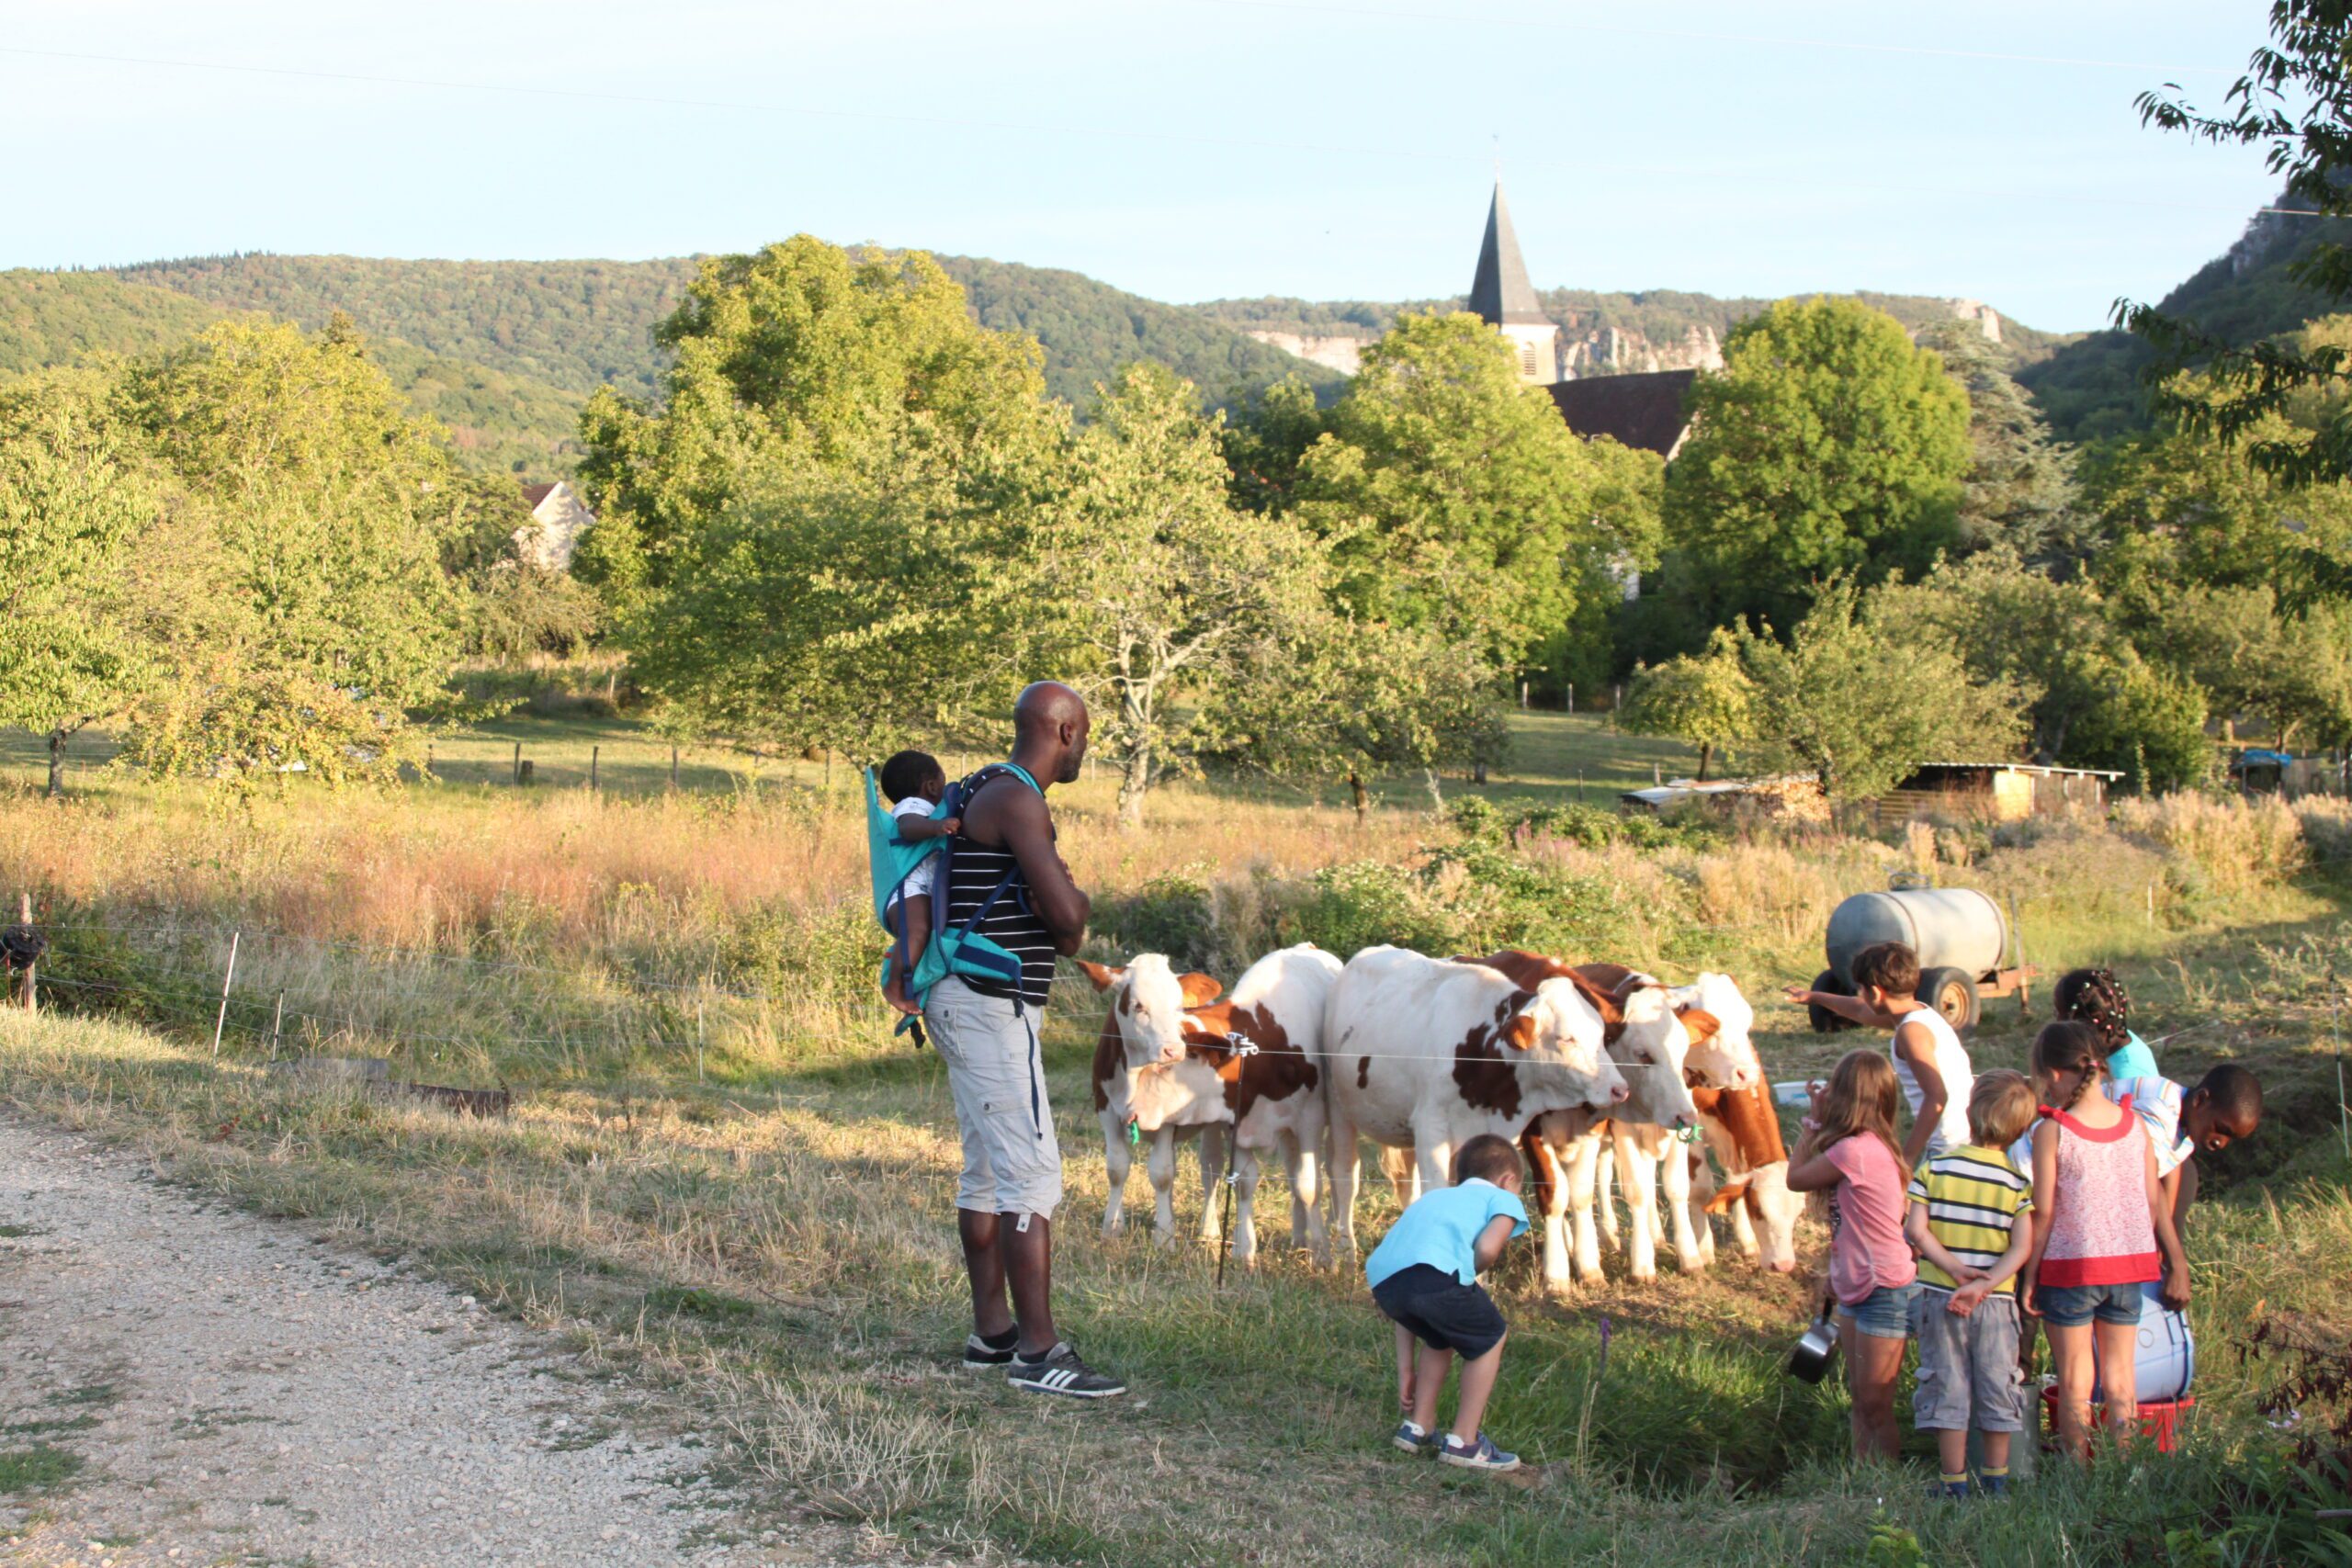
{"x": 1956, "y": 927}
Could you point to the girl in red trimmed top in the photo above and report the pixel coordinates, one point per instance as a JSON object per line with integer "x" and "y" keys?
{"x": 2101, "y": 1229}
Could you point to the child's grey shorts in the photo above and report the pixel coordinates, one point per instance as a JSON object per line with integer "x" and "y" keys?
{"x": 1011, "y": 1163}
{"x": 1968, "y": 1366}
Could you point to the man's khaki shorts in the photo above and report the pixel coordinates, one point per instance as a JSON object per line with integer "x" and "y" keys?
{"x": 1011, "y": 1163}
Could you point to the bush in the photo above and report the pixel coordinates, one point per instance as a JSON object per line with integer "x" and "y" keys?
{"x": 1174, "y": 913}
{"x": 2239, "y": 846}
{"x": 829, "y": 954}
{"x": 1345, "y": 908}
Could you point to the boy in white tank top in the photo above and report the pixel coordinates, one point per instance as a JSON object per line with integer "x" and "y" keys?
{"x": 1929, "y": 1061}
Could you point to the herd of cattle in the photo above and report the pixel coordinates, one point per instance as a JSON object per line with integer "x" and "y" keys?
{"x": 1418, "y": 1054}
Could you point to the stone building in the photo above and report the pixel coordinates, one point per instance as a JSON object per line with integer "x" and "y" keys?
{"x": 558, "y": 519}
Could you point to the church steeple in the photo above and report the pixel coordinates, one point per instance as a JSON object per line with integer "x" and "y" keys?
{"x": 1502, "y": 297}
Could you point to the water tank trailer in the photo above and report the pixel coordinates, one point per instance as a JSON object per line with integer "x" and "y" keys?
{"x": 1961, "y": 935}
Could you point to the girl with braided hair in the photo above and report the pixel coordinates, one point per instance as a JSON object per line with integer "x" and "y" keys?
{"x": 2096, "y": 998}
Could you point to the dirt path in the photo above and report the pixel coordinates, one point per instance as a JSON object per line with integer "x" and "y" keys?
{"x": 227, "y": 1391}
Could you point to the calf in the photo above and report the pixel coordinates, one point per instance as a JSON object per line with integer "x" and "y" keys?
{"x": 1146, "y": 1027}
{"x": 1254, "y": 1061}
{"x": 1424, "y": 1053}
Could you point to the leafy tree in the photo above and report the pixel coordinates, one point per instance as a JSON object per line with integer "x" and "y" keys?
{"x": 1266, "y": 438}
{"x": 76, "y": 502}
{"x": 2182, "y": 508}
{"x": 2093, "y": 700}
{"x": 316, "y": 615}
{"x": 1705, "y": 701}
{"x": 1857, "y": 699}
{"x": 2020, "y": 491}
{"x": 826, "y": 536}
{"x": 1165, "y": 587}
{"x": 802, "y": 357}
{"x": 1348, "y": 700}
{"x": 1826, "y": 445}
{"x": 2293, "y": 670}
{"x": 1453, "y": 497}
{"x": 2291, "y": 102}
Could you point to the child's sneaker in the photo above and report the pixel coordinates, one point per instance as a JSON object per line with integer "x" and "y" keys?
{"x": 1994, "y": 1485}
{"x": 1480, "y": 1454}
{"x": 1411, "y": 1437}
{"x": 996, "y": 1351}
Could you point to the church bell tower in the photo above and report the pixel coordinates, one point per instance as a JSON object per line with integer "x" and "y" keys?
{"x": 1502, "y": 297}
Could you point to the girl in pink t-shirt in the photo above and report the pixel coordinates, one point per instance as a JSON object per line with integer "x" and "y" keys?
{"x": 2101, "y": 1229}
{"x": 1850, "y": 1145}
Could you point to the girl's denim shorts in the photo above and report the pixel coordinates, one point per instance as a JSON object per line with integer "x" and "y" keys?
{"x": 1885, "y": 1313}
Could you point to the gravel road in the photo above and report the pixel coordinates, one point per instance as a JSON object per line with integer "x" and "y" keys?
{"x": 237, "y": 1392}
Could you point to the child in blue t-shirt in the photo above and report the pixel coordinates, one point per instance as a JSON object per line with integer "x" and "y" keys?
{"x": 1424, "y": 1275}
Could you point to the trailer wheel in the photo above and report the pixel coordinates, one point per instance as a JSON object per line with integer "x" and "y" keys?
{"x": 1951, "y": 992}
{"x": 1823, "y": 1020}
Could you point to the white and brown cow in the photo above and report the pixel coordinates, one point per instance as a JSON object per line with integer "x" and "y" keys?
{"x": 1145, "y": 1027}
{"x": 1737, "y": 1121}
{"x": 1254, "y": 1061}
{"x": 1650, "y": 1041}
{"x": 1426, "y": 1053}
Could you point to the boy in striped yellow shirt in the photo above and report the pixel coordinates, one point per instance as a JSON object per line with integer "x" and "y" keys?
{"x": 1963, "y": 1220}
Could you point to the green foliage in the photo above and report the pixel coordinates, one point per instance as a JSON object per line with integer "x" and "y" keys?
{"x": 2291, "y": 102}
{"x": 315, "y": 613}
{"x": 516, "y": 610}
{"x": 1362, "y": 904}
{"x": 2019, "y": 492}
{"x": 76, "y": 502}
{"x": 811, "y": 541}
{"x": 1453, "y": 497}
{"x": 1172, "y": 913}
{"x": 1857, "y": 699}
{"x": 1827, "y": 443}
{"x": 1705, "y": 701}
{"x": 1156, "y": 583}
{"x": 2295, "y": 670}
{"x": 1478, "y": 820}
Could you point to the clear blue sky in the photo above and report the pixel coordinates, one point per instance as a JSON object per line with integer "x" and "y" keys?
{"x": 1184, "y": 149}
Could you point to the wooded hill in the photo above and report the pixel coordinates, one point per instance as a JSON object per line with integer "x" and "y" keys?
{"x": 2091, "y": 388}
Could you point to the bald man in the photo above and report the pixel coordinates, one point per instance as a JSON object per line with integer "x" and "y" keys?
{"x": 1005, "y": 877}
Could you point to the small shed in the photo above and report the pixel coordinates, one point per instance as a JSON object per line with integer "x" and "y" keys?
{"x": 1994, "y": 792}
{"x": 2261, "y": 771}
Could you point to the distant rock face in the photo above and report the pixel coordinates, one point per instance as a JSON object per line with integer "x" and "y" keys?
{"x": 1341, "y": 354}
{"x": 1614, "y": 350}
{"x": 1987, "y": 318}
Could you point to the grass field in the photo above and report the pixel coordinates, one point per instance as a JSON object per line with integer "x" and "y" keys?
{"x": 766, "y": 1223}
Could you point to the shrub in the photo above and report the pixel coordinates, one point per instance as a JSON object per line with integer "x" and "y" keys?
{"x": 830, "y": 954}
{"x": 1345, "y": 908}
{"x": 2327, "y": 827}
{"x": 2240, "y": 846}
{"x": 1174, "y": 913}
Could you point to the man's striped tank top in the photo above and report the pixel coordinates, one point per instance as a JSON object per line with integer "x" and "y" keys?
{"x": 973, "y": 871}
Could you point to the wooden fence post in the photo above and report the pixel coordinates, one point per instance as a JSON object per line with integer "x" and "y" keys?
{"x": 228, "y": 975}
{"x": 674, "y": 767}
{"x": 32, "y": 997}
{"x": 519, "y": 761}
{"x": 276, "y": 1023}
{"x": 594, "y": 751}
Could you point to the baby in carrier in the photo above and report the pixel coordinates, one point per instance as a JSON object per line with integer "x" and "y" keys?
{"x": 914, "y": 782}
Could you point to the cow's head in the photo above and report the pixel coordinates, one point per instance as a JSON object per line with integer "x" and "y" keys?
{"x": 1147, "y": 1002}
{"x": 1652, "y": 1056}
{"x": 1557, "y": 1023}
{"x": 1720, "y": 1023}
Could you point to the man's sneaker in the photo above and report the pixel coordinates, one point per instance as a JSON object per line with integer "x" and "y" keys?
{"x": 1411, "y": 1437}
{"x": 996, "y": 1351}
{"x": 1059, "y": 1371}
{"x": 1481, "y": 1454}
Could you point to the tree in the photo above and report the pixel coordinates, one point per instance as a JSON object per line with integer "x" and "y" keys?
{"x": 828, "y": 534}
{"x": 1349, "y": 700}
{"x": 2020, "y": 491}
{"x": 1705, "y": 701}
{"x": 1265, "y": 439}
{"x": 75, "y": 504}
{"x": 2291, "y": 101}
{"x": 313, "y": 615}
{"x": 1826, "y": 445}
{"x": 2294, "y": 670}
{"x": 800, "y": 355}
{"x": 1166, "y": 589}
{"x": 1857, "y": 699}
{"x": 1453, "y": 497}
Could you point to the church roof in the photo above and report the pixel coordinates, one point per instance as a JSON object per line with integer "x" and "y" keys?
{"x": 1642, "y": 411}
{"x": 1501, "y": 292}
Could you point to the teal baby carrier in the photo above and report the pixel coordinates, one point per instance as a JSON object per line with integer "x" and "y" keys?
{"x": 956, "y": 949}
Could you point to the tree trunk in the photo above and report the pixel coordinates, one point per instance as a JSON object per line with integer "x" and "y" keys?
{"x": 1706, "y": 749}
{"x": 1437, "y": 796}
{"x": 1355, "y": 789}
{"x": 1478, "y": 771}
{"x": 56, "y": 763}
{"x": 1135, "y": 779}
